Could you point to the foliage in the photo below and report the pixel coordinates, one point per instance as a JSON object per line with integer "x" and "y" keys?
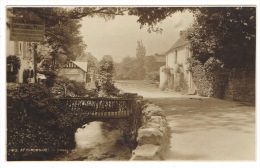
{"x": 150, "y": 63}
{"x": 150, "y": 16}
{"x": 182, "y": 85}
{"x": 153, "y": 76}
{"x": 38, "y": 126}
{"x": 62, "y": 36}
{"x": 130, "y": 67}
{"x": 78, "y": 88}
{"x": 127, "y": 70}
{"x": 30, "y": 123}
{"x": 26, "y": 75}
{"x": 179, "y": 68}
{"x": 51, "y": 77}
{"x": 140, "y": 58}
{"x": 90, "y": 59}
{"x": 154, "y": 62}
{"x": 210, "y": 78}
{"x": 217, "y": 76}
{"x": 226, "y": 33}
{"x": 179, "y": 84}
{"x": 106, "y": 72}
{"x": 74, "y": 88}
{"x": 199, "y": 77}
{"x": 213, "y": 35}
{"x": 167, "y": 71}
{"x": 62, "y": 30}
{"x": 13, "y": 66}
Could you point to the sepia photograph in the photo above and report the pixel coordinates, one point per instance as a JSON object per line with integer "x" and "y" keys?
{"x": 131, "y": 83}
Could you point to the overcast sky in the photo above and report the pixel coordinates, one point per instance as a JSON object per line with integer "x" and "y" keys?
{"x": 119, "y": 37}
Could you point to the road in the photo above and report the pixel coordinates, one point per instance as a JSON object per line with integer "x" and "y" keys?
{"x": 203, "y": 129}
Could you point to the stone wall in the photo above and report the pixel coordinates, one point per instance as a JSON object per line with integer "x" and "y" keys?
{"x": 241, "y": 86}
{"x": 154, "y": 135}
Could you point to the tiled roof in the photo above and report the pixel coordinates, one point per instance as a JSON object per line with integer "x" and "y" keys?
{"x": 180, "y": 42}
{"x": 160, "y": 58}
{"x": 82, "y": 65}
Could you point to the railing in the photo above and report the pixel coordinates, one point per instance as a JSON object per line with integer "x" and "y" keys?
{"x": 100, "y": 107}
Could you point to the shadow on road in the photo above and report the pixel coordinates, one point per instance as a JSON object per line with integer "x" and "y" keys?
{"x": 188, "y": 114}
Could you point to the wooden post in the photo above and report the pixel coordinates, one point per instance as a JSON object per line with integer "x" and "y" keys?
{"x": 65, "y": 90}
{"x": 35, "y": 62}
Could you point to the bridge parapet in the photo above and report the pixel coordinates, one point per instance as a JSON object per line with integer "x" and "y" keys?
{"x": 100, "y": 107}
{"x": 123, "y": 113}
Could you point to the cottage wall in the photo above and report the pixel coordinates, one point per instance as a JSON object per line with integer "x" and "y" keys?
{"x": 74, "y": 74}
{"x": 20, "y": 49}
{"x": 163, "y": 78}
{"x": 183, "y": 53}
{"x": 170, "y": 60}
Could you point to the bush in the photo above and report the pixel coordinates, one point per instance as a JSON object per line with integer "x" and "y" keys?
{"x": 209, "y": 78}
{"x": 74, "y": 88}
{"x": 199, "y": 77}
{"x": 26, "y": 75}
{"x": 13, "y": 66}
{"x": 51, "y": 77}
{"x": 36, "y": 124}
{"x": 182, "y": 86}
{"x": 217, "y": 76}
{"x": 154, "y": 77}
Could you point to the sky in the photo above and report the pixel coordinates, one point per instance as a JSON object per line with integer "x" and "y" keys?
{"x": 119, "y": 37}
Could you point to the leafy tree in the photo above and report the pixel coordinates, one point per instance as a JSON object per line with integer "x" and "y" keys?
{"x": 228, "y": 34}
{"x": 90, "y": 59}
{"x": 62, "y": 36}
{"x": 150, "y": 16}
{"x": 149, "y": 63}
{"x": 106, "y": 71}
{"x": 140, "y": 58}
{"x": 127, "y": 70}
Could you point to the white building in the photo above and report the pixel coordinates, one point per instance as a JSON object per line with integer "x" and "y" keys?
{"x": 22, "y": 50}
{"x": 175, "y": 72}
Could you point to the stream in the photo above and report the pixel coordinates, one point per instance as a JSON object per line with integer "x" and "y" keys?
{"x": 93, "y": 143}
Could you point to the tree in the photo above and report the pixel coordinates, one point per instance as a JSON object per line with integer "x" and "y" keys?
{"x": 140, "y": 58}
{"x": 106, "y": 71}
{"x": 90, "y": 59}
{"x": 150, "y": 63}
{"x": 127, "y": 69}
{"x": 62, "y": 35}
{"x": 150, "y": 16}
{"x": 228, "y": 34}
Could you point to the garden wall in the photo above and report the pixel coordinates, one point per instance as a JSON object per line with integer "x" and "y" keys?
{"x": 154, "y": 135}
{"x": 241, "y": 86}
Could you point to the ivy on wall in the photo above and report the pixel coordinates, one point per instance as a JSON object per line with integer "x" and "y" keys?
{"x": 178, "y": 84}
{"x": 210, "y": 77}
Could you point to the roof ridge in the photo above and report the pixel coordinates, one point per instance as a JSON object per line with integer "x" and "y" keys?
{"x": 182, "y": 40}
